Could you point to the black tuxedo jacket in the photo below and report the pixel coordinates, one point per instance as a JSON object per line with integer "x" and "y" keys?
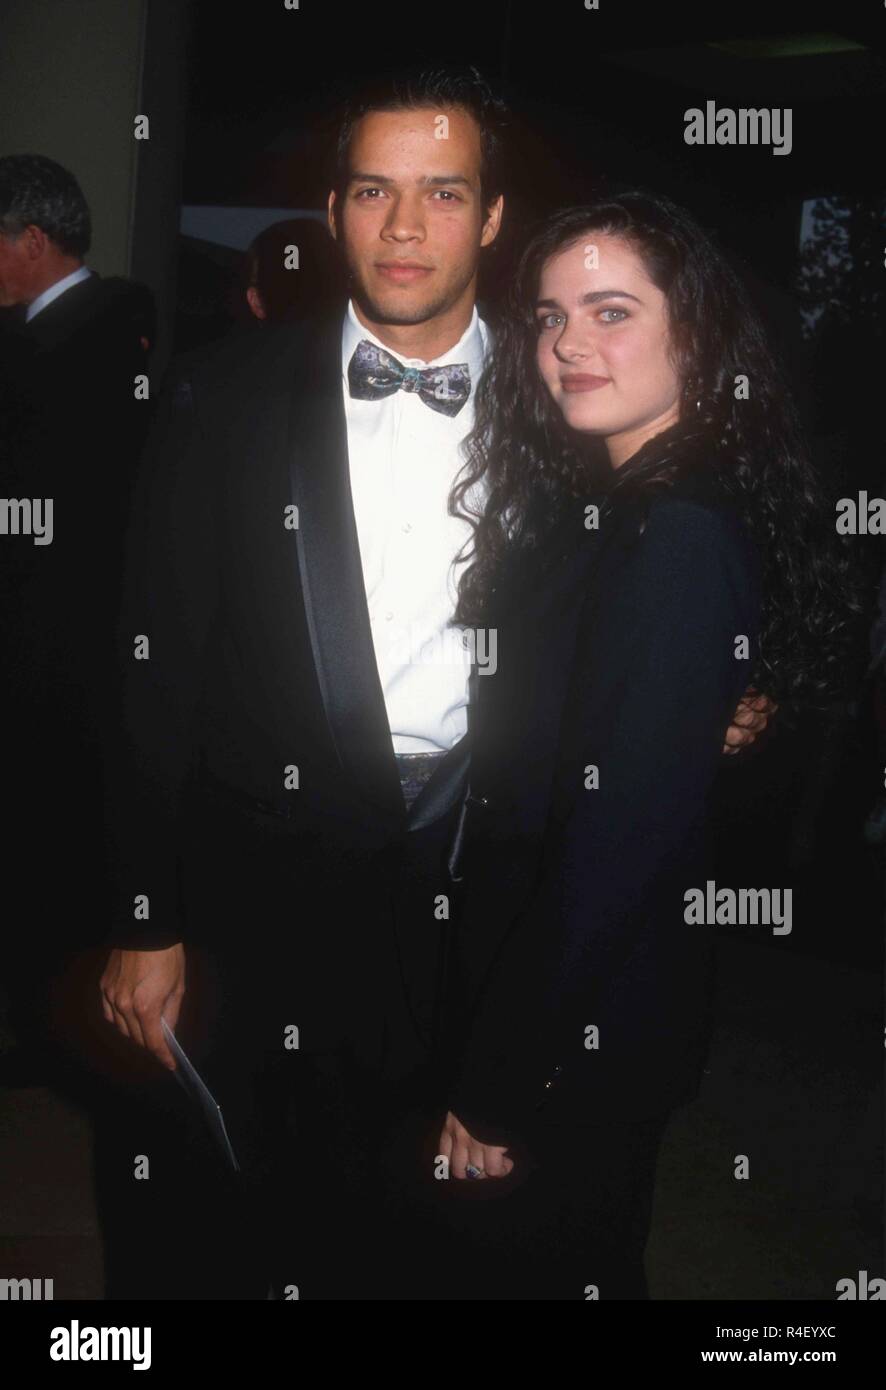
{"x": 260, "y": 711}
{"x": 76, "y": 435}
{"x": 596, "y": 744}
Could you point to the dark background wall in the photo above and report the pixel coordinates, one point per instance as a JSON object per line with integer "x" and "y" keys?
{"x": 598, "y": 95}
{"x": 69, "y": 87}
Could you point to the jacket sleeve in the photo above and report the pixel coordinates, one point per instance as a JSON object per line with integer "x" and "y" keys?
{"x": 169, "y": 599}
{"x": 657, "y": 673}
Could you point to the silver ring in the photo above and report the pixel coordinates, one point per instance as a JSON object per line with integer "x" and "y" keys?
{"x": 474, "y": 1172}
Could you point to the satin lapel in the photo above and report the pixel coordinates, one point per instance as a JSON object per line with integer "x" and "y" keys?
{"x": 331, "y": 575}
{"x": 443, "y": 789}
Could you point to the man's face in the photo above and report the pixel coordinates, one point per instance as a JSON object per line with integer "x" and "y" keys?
{"x": 16, "y": 270}
{"x": 411, "y": 221}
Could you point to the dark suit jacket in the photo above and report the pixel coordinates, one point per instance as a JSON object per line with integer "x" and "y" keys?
{"x": 76, "y": 437}
{"x": 261, "y": 659}
{"x": 616, "y": 650}
{"x": 71, "y": 430}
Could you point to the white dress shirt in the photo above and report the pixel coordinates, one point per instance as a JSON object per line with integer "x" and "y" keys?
{"x": 404, "y": 458}
{"x": 81, "y": 273}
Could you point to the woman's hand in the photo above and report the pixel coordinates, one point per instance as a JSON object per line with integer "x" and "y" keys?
{"x": 750, "y": 719}
{"x": 461, "y": 1150}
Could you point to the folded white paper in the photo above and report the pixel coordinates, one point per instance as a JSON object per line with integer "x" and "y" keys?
{"x": 195, "y": 1087}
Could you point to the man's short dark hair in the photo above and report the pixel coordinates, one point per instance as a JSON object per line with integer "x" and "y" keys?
{"x": 465, "y": 88}
{"x": 35, "y": 191}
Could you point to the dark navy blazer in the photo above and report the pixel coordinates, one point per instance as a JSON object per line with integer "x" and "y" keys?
{"x": 578, "y": 987}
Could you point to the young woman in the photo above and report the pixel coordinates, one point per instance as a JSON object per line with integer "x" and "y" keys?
{"x": 652, "y": 542}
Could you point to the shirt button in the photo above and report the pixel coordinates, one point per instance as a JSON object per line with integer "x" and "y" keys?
{"x": 388, "y": 617}
{"x": 408, "y": 526}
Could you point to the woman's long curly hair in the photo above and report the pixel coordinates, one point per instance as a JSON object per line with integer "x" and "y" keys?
{"x": 529, "y": 463}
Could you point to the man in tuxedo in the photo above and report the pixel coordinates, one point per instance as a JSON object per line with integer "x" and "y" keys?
{"x": 291, "y": 765}
{"x": 73, "y": 344}
{"x": 294, "y": 751}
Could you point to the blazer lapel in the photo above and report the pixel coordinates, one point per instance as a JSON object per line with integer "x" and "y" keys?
{"x": 331, "y": 574}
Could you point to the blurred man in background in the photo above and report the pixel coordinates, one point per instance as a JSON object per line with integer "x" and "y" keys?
{"x": 72, "y": 348}
{"x": 292, "y": 270}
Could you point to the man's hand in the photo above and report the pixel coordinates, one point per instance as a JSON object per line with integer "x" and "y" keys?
{"x": 141, "y": 987}
{"x": 750, "y": 719}
{"x": 460, "y": 1149}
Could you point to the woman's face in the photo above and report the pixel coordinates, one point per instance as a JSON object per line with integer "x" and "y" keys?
{"x": 603, "y": 344}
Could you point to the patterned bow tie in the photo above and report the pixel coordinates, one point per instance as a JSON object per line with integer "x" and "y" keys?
{"x": 374, "y": 374}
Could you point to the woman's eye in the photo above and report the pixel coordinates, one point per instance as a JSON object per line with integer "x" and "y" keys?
{"x": 621, "y": 314}
{"x": 549, "y": 320}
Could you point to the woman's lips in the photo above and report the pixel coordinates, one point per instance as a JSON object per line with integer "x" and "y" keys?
{"x": 403, "y": 274}
{"x": 584, "y": 383}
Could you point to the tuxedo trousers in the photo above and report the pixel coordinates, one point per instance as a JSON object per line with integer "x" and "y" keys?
{"x": 339, "y": 1195}
{"x": 345, "y": 1199}
{"x": 311, "y": 991}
